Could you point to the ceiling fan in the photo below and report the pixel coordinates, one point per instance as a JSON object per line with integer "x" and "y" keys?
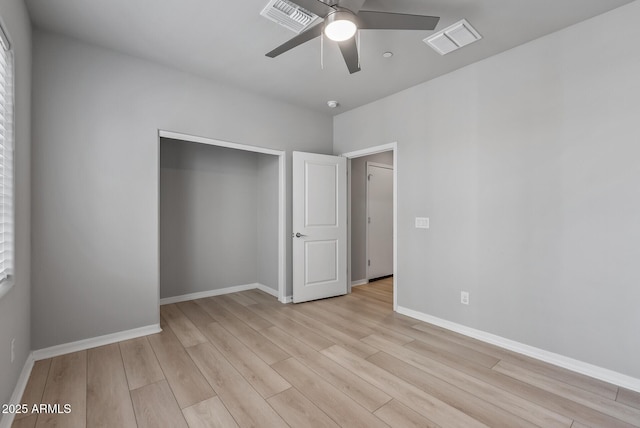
{"x": 343, "y": 18}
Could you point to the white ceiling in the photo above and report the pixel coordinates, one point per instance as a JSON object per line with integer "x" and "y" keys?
{"x": 227, "y": 41}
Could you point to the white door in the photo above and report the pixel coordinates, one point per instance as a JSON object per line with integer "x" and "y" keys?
{"x": 379, "y": 220}
{"x": 319, "y": 226}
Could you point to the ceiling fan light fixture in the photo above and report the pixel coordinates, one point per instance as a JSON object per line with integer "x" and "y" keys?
{"x": 340, "y": 26}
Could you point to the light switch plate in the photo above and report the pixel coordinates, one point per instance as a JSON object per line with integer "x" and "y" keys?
{"x": 422, "y": 222}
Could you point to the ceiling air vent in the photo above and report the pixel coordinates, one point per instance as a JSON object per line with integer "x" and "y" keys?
{"x": 289, "y": 15}
{"x": 453, "y": 37}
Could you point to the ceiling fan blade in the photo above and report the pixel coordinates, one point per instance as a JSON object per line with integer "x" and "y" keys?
{"x": 301, "y": 38}
{"x": 316, "y": 6}
{"x": 395, "y": 21}
{"x": 349, "y": 51}
{"x": 353, "y": 5}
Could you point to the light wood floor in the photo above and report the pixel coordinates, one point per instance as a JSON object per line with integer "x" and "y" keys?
{"x": 245, "y": 360}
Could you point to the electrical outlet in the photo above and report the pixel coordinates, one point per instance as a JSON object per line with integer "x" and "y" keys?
{"x": 13, "y": 349}
{"x": 464, "y": 297}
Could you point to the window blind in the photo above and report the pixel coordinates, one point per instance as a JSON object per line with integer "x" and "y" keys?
{"x": 6, "y": 158}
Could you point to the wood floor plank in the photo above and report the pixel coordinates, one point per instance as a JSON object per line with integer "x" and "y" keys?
{"x": 248, "y": 408}
{"x": 198, "y": 316}
{"x": 35, "y": 386}
{"x": 449, "y": 354}
{"x": 399, "y": 416}
{"x": 245, "y": 334}
{"x": 375, "y": 291}
{"x": 25, "y": 422}
{"x": 579, "y": 425}
{"x": 447, "y": 349}
{"x": 555, "y": 403}
{"x": 262, "y": 298}
{"x": 182, "y": 327}
{"x": 298, "y": 411}
{"x": 477, "y": 408}
{"x": 330, "y": 333}
{"x": 155, "y": 406}
{"x": 243, "y": 299}
{"x": 254, "y": 321}
{"x": 303, "y": 333}
{"x": 344, "y": 315}
{"x": 608, "y": 407}
{"x": 66, "y": 384}
{"x": 258, "y": 373}
{"x": 373, "y": 294}
{"x": 404, "y": 328}
{"x": 487, "y": 348}
{"x": 628, "y": 397}
{"x": 108, "y": 401}
{"x": 339, "y": 407}
{"x": 373, "y": 308}
{"x": 596, "y": 386}
{"x": 209, "y": 413}
{"x": 368, "y": 396}
{"x": 372, "y": 298}
{"x": 423, "y": 403}
{"x": 186, "y": 381}
{"x": 140, "y": 363}
{"x": 331, "y": 319}
{"x": 369, "y": 300}
{"x": 485, "y": 390}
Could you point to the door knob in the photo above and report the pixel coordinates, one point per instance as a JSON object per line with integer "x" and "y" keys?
{"x": 299, "y": 235}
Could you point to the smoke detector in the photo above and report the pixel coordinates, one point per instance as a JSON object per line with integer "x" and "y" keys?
{"x": 289, "y": 15}
{"x": 453, "y": 37}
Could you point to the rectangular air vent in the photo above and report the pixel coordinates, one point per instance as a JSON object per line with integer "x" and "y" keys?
{"x": 289, "y": 15}
{"x": 453, "y": 37}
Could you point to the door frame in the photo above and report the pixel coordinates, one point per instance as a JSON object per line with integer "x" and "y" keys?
{"x": 368, "y": 214}
{"x": 281, "y": 293}
{"x": 365, "y": 152}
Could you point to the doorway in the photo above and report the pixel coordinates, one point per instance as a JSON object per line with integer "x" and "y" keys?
{"x": 211, "y": 195}
{"x": 358, "y": 219}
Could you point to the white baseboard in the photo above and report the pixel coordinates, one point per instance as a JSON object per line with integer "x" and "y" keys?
{"x": 221, "y": 291}
{"x": 530, "y": 351}
{"x": 107, "y": 339}
{"x": 18, "y": 391}
{"x": 274, "y": 293}
{"x": 287, "y": 299}
{"x": 211, "y": 293}
{"x": 267, "y": 289}
{"x": 359, "y": 282}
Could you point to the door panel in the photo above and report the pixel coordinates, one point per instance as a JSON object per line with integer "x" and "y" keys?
{"x": 319, "y": 226}
{"x": 320, "y": 194}
{"x": 323, "y": 256}
{"x": 380, "y": 220}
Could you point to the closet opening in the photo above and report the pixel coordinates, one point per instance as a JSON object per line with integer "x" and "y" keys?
{"x": 221, "y": 218}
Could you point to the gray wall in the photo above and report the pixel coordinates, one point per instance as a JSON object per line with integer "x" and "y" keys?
{"x": 95, "y": 182}
{"x": 528, "y": 166}
{"x": 359, "y": 211}
{"x": 210, "y": 215}
{"x": 267, "y": 221}
{"x": 15, "y": 312}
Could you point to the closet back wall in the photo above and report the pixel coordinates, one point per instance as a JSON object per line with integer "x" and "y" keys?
{"x": 208, "y": 225}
